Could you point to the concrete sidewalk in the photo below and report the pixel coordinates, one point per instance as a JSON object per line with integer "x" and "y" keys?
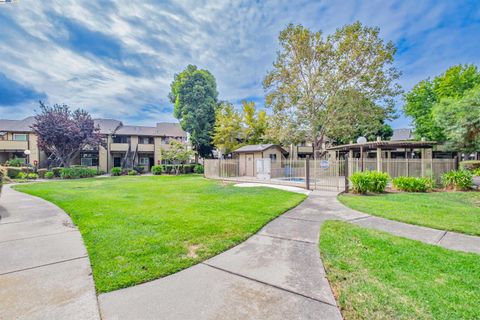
{"x": 331, "y": 208}
{"x": 44, "y": 268}
{"x": 276, "y": 274}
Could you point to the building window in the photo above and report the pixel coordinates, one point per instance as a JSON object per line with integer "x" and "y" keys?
{"x": 20, "y": 137}
{"x": 89, "y": 159}
{"x": 143, "y": 161}
{"x": 145, "y": 140}
{"x": 121, "y": 139}
{"x": 273, "y": 156}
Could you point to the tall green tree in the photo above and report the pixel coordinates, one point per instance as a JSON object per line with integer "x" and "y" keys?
{"x": 255, "y": 123}
{"x": 228, "y": 128}
{"x": 311, "y": 71}
{"x": 459, "y": 119}
{"x": 419, "y": 102}
{"x": 357, "y": 116}
{"x": 194, "y": 95}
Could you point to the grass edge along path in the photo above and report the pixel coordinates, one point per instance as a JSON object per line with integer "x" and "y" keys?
{"x": 137, "y": 229}
{"x": 375, "y": 275}
{"x": 450, "y": 211}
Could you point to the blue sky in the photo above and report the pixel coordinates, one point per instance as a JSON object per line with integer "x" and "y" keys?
{"x": 117, "y": 59}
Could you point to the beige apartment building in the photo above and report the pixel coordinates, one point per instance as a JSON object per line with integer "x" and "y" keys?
{"x": 126, "y": 145}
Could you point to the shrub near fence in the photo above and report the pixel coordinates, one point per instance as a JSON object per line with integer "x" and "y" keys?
{"x": 458, "y": 180}
{"x": 413, "y": 184}
{"x": 369, "y": 181}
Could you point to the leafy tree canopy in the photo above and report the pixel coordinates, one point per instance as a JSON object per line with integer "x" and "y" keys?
{"x": 228, "y": 128}
{"x": 459, "y": 120}
{"x": 234, "y": 129}
{"x": 420, "y": 101}
{"x": 63, "y": 133}
{"x": 317, "y": 81}
{"x": 194, "y": 95}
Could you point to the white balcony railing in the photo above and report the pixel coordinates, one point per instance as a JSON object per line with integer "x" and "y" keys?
{"x": 121, "y": 147}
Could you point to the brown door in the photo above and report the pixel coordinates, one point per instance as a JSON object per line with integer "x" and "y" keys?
{"x": 249, "y": 164}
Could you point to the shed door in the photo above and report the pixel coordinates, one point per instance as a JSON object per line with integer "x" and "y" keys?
{"x": 249, "y": 164}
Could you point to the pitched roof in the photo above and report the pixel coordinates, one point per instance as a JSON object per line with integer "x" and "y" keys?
{"x": 258, "y": 148}
{"x": 401, "y": 135}
{"x": 17, "y": 125}
{"x": 137, "y": 131}
{"x": 107, "y": 126}
{"x": 170, "y": 129}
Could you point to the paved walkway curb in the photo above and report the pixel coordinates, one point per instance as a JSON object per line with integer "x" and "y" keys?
{"x": 44, "y": 268}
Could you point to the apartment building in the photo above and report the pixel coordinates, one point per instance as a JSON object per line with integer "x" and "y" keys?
{"x": 126, "y": 145}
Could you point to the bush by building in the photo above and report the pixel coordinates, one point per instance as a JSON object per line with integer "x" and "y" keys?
{"x": 157, "y": 170}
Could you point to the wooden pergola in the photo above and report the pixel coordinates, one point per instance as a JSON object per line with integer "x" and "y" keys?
{"x": 384, "y": 150}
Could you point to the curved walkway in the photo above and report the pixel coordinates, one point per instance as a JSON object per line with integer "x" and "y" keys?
{"x": 44, "y": 268}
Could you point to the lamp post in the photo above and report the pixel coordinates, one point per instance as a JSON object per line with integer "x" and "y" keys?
{"x": 361, "y": 140}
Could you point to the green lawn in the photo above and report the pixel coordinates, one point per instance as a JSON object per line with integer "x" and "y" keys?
{"x": 141, "y": 228}
{"x": 453, "y": 211}
{"x": 375, "y": 275}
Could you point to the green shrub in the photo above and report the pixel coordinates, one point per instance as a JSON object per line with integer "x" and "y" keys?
{"x": 459, "y": 180}
{"x": 157, "y": 170}
{"x": 168, "y": 168}
{"x": 41, "y": 173}
{"x": 49, "y": 175}
{"x": 476, "y": 172}
{"x": 116, "y": 171}
{"x": 187, "y": 168}
{"x": 57, "y": 172}
{"x": 198, "y": 168}
{"x": 15, "y": 162}
{"x": 100, "y": 172}
{"x": 32, "y": 176}
{"x": 470, "y": 165}
{"x": 360, "y": 182}
{"x": 132, "y": 173}
{"x": 378, "y": 181}
{"x": 12, "y": 172}
{"x": 77, "y": 172}
{"x": 369, "y": 181}
{"x": 21, "y": 175}
{"x": 413, "y": 184}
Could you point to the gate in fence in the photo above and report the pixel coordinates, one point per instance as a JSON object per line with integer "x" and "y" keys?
{"x": 314, "y": 174}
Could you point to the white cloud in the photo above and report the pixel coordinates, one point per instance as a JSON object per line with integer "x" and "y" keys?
{"x": 235, "y": 40}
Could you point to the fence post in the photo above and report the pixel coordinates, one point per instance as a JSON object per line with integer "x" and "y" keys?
{"x": 307, "y": 172}
{"x": 219, "y": 168}
{"x": 346, "y": 174}
{"x": 456, "y": 163}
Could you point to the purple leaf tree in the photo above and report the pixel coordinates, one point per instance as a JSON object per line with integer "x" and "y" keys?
{"x": 64, "y": 133}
